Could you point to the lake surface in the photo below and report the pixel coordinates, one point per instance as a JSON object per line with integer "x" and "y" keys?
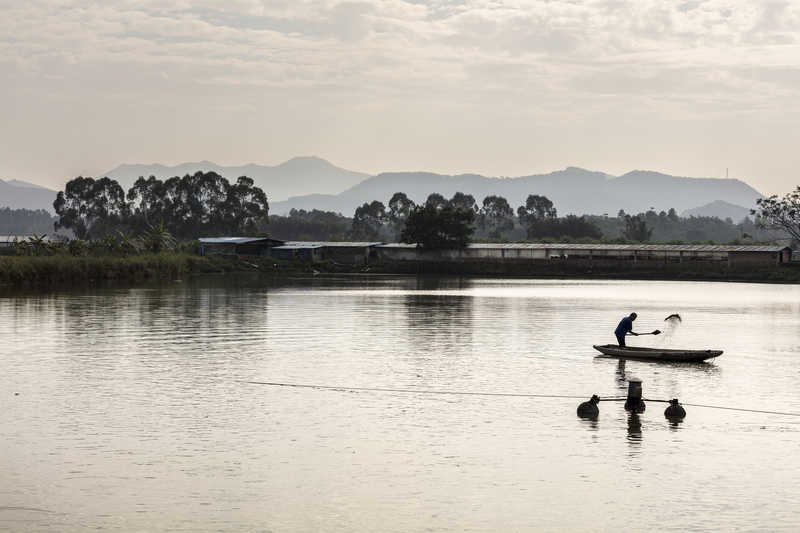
{"x": 129, "y": 409}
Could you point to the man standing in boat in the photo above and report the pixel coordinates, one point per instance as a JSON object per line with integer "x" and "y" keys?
{"x": 625, "y": 326}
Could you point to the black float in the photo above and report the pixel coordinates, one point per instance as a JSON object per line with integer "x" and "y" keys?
{"x": 589, "y": 409}
{"x": 634, "y": 402}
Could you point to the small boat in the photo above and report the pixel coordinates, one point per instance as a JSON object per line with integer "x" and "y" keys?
{"x": 657, "y": 354}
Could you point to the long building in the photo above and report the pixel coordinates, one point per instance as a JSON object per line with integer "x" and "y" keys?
{"x": 665, "y": 253}
{"x": 362, "y": 253}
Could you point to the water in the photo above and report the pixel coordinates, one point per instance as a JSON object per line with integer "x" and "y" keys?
{"x": 125, "y": 409}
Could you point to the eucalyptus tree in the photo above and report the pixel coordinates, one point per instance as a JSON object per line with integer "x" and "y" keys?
{"x": 496, "y": 216}
{"x": 400, "y": 206}
{"x": 436, "y": 228}
{"x": 368, "y": 221}
{"x": 91, "y": 208}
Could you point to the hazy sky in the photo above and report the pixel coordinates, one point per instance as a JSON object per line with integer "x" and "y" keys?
{"x": 490, "y": 86}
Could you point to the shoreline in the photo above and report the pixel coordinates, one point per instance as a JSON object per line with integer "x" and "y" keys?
{"x": 58, "y": 270}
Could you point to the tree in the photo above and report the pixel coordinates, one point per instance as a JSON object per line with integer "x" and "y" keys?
{"x": 636, "y": 229}
{"x": 436, "y": 200}
{"x": 672, "y": 215}
{"x": 781, "y": 214}
{"x": 314, "y": 225}
{"x": 464, "y": 202}
{"x": 157, "y": 239}
{"x": 368, "y": 220}
{"x": 400, "y": 207}
{"x": 245, "y": 208}
{"x": 91, "y": 208}
{"x": 537, "y": 208}
{"x": 25, "y": 221}
{"x": 436, "y": 228}
{"x": 147, "y": 199}
{"x": 496, "y": 216}
{"x": 538, "y": 216}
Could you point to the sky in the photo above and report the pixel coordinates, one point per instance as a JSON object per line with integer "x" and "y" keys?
{"x": 501, "y": 88}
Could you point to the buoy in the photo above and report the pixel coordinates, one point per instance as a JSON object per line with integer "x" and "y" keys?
{"x": 634, "y": 401}
{"x": 589, "y": 409}
{"x": 675, "y": 410}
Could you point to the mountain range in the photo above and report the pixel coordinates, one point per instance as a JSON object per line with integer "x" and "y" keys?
{"x": 295, "y": 176}
{"x": 572, "y": 190}
{"x": 313, "y": 183}
{"x": 719, "y": 209}
{"x": 22, "y": 195}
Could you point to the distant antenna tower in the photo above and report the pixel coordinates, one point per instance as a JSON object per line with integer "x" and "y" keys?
{"x": 726, "y": 172}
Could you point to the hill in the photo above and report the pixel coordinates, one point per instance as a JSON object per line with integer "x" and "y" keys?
{"x": 719, "y": 209}
{"x": 573, "y": 190}
{"x": 20, "y": 195}
{"x": 298, "y": 175}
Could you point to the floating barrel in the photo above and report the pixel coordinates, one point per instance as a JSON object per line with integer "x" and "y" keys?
{"x": 675, "y": 410}
{"x": 589, "y": 409}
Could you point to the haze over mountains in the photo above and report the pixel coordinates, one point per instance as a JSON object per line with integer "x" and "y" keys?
{"x": 299, "y": 175}
{"x": 572, "y": 190}
{"x": 21, "y": 195}
{"x": 313, "y": 183}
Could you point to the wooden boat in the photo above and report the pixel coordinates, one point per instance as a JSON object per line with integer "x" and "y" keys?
{"x": 657, "y": 354}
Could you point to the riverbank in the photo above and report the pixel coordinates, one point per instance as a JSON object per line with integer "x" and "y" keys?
{"x": 59, "y": 269}
{"x": 62, "y": 269}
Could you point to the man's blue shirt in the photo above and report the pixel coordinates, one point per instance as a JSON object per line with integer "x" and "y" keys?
{"x": 625, "y": 325}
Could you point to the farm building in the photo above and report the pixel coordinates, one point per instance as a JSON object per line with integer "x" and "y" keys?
{"x": 351, "y": 253}
{"x": 664, "y": 253}
{"x": 237, "y": 245}
{"x": 298, "y": 251}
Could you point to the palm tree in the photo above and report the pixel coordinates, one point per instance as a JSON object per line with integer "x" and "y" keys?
{"x": 158, "y": 238}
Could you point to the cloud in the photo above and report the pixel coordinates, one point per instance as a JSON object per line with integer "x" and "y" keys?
{"x": 480, "y": 42}
{"x": 521, "y": 61}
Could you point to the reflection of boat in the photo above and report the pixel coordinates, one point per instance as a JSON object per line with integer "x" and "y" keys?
{"x": 657, "y": 354}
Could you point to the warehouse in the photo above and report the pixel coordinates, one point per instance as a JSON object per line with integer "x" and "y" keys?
{"x": 350, "y": 253}
{"x": 237, "y": 245}
{"x": 662, "y": 253}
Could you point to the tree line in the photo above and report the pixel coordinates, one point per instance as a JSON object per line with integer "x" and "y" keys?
{"x": 205, "y": 204}
{"x": 188, "y": 207}
{"x": 25, "y": 221}
{"x": 447, "y": 223}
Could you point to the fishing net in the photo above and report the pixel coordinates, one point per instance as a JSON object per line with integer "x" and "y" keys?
{"x": 671, "y": 325}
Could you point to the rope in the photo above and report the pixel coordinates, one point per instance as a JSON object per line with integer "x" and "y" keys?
{"x": 741, "y": 409}
{"x": 413, "y": 391}
{"x": 496, "y": 394}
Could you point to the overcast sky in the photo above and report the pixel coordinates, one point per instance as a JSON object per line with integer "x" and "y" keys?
{"x": 497, "y": 87}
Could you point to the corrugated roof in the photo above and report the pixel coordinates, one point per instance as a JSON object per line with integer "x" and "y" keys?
{"x": 297, "y": 246}
{"x": 615, "y": 247}
{"x": 233, "y": 240}
{"x": 334, "y": 244}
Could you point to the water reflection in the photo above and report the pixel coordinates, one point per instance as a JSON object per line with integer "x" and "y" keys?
{"x": 134, "y": 396}
{"x": 634, "y": 427}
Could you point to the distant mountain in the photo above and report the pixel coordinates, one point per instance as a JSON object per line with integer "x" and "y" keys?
{"x": 573, "y": 190}
{"x": 720, "y": 209}
{"x": 20, "y": 195}
{"x": 296, "y": 176}
{"x": 18, "y": 183}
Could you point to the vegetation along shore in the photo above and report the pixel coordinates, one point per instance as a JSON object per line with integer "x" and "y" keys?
{"x": 152, "y": 231}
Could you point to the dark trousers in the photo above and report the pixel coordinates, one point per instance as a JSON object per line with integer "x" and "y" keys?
{"x": 621, "y": 340}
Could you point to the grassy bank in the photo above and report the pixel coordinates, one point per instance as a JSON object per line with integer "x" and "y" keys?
{"x": 59, "y": 269}
{"x": 64, "y": 269}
